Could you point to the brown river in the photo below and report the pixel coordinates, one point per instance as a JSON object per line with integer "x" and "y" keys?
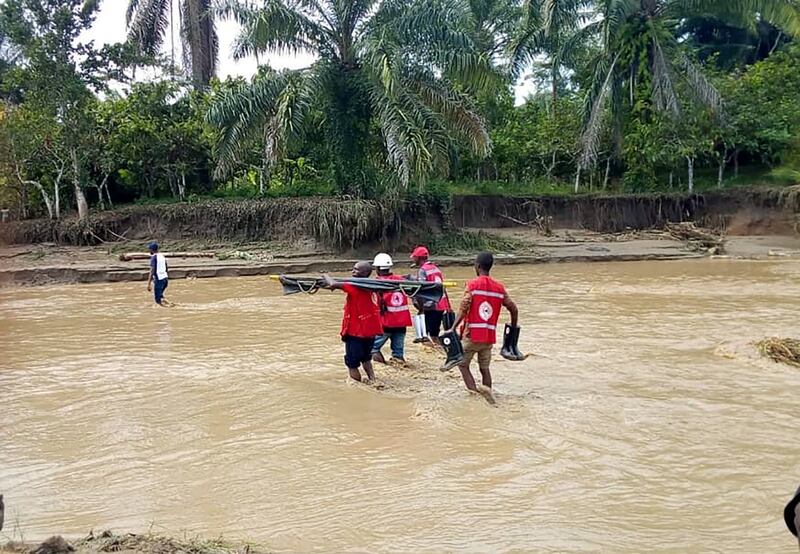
{"x": 645, "y": 421}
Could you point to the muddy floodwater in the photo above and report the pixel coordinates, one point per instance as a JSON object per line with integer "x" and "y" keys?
{"x": 645, "y": 421}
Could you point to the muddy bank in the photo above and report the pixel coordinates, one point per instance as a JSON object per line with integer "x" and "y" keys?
{"x": 345, "y": 225}
{"x": 43, "y": 265}
{"x": 737, "y": 212}
{"x": 131, "y": 543}
{"x": 329, "y": 222}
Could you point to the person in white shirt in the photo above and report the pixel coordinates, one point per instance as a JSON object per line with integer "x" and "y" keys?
{"x": 158, "y": 275}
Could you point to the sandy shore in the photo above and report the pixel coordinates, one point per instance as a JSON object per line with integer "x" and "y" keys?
{"x": 51, "y": 264}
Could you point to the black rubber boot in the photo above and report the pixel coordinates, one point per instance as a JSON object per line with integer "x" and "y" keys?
{"x": 455, "y": 352}
{"x": 510, "y": 350}
{"x": 515, "y": 345}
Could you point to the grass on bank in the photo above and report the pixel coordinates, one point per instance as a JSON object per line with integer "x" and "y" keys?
{"x": 705, "y": 181}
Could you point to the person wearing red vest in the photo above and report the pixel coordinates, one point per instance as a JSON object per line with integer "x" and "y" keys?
{"x": 395, "y": 314}
{"x": 434, "y": 312}
{"x": 361, "y": 322}
{"x": 483, "y": 300}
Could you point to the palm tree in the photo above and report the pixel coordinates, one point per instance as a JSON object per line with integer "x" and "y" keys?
{"x": 390, "y": 65}
{"x": 551, "y": 28}
{"x": 642, "y": 64}
{"x": 149, "y": 20}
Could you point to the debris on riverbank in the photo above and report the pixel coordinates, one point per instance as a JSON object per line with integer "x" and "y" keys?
{"x": 697, "y": 239}
{"x": 780, "y": 350}
{"x": 133, "y": 543}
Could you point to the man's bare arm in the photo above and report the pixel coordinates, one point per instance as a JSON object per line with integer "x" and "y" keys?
{"x": 512, "y": 309}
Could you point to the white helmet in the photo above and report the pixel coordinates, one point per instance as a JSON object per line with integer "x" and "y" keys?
{"x": 382, "y": 261}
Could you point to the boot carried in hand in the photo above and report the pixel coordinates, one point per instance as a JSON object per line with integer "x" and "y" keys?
{"x": 454, "y": 349}
{"x": 510, "y": 349}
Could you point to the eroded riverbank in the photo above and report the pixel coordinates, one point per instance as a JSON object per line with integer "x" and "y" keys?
{"x": 51, "y": 264}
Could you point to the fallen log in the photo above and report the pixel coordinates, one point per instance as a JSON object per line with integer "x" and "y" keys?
{"x": 131, "y": 256}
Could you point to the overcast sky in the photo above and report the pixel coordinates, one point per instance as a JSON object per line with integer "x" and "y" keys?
{"x": 110, "y": 28}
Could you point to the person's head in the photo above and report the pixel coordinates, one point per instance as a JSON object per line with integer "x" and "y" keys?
{"x": 383, "y": 264}
{"x": 153, "y": 247}
{"x": 419, "y": 256}
{"x": 483, "y": 263}
{"x": 362, "y": 269}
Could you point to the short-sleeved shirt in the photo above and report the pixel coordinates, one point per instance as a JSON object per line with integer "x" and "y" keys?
{"x": 362, "y": 314}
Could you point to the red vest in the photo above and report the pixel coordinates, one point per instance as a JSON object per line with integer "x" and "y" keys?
{"x": 362, "y": 314}
{"x": 487, "y": 300}
{"x": 396, "y": 311}
{"x": 434, "y": 275}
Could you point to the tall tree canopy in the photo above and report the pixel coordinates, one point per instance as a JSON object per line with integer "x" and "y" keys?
{"x": 150, "y": 21}
{"x": 406, "y": 68}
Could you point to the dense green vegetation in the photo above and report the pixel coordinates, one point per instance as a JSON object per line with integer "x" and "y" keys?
{"x": 403, "y": 95}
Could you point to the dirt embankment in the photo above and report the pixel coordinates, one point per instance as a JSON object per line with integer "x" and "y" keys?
{"x": 736, "y": 212}
{"x": 344, "y": 225}
{"x": 314, "y": 235}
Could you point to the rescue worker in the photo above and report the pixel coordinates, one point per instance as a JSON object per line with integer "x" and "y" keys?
{"x": 395, "y": 314}
{"x": 361, "y": 322}
{"x": 434, "y": 311}
{"x": 479, "y": 312}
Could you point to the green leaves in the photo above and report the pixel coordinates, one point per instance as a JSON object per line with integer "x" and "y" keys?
{"x": 407, "y": 68}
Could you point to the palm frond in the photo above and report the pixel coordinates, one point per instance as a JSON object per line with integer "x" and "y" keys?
{"x": 148, "y": 21}
{"x": 703, "y": 89}
{"x": 279, "y": 28}
{"x": 273, "y": 107}
{"x": 784, "y": 14}
{"x": 455, "y": 110}
{"x": 133, "y": 5}
{"x": 590, "y": 139}
{"x": 664, "y": 96}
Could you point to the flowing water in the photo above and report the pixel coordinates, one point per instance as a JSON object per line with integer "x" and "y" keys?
{"x": 645, "y": 420}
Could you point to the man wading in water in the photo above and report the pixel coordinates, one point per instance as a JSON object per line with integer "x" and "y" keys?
{"x": 158, "y": 273}
{"x": 434, "y": 311}
{"x": 395, "y": 314}
{"x": 480, "y": 310}
{"x": 361, "y": 322}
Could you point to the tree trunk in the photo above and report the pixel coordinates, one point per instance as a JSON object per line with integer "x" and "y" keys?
{"x": 671, "y": 179}
{"x": 80, "y": 197}
{"x": 108, "y": 197}
{"x": 104, "y": 187}
{"x": 83, "y": 206}
{"x": 577, "y": 179}
{"x": 690, "y": 164}
{"x": 171, "y": 180}
{"x": 554, "y": 77}
{"x": 608, "y": 172}
{"x": 100, "y": 199}
{"x": 721, "y": 172}
{"x": 182, "y": 186}
{"x": 48, "y": 202}
{"x": 57, "y": 200}
{"x": 736, "y": 163}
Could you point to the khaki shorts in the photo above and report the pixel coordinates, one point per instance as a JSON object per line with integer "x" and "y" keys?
{"x": 482, "y": 349}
